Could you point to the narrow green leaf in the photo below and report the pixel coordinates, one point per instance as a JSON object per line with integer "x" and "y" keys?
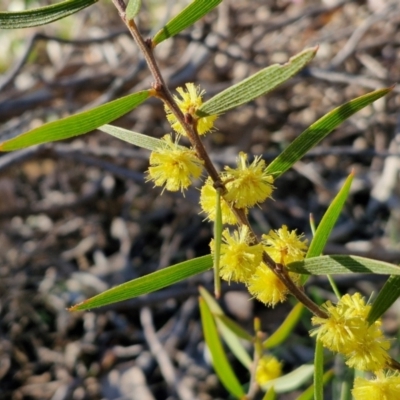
{"x": 133, "y": 8}
{"x": 230, "y": 331}
{"x": 218, "y": 313}
{"x": 341, "y": 264}
{"x": 42, "y": 15}
{"x": 386, "y": 297}
{"x": 234, "y": 344}
{"x": 138, "y": 139}
{"x": 308, "y": 394}
{"x": 147, "y": 284}
{"x": 292, "y": 380}
{"x": 270, "y": 395}
{"x": 256, "y": 85}
{"x": 219, "y": 359}
{"x": 286, "y": 328}
{"x": 187, "y": 17}
{"x": 321, "y": 235}
{"x": 319, "y": 371}
{"x": 235, "y": 328}
{"x": 320, "y": 129}
{"x": 329, "y": 219}
{"x": 77, "y": 124}
{"x": 345, "y": 393}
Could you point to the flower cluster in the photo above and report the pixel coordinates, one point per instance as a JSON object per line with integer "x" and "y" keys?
{"x": 174, "y": 166}
{"x": 248, "y": 184}
{"x": 284, "y": 247}
{"x": 347, "y": 331}
{"x": 242, "y": 262}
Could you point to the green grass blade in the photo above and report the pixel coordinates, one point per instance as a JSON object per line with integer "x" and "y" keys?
{"x": 230, "y": 331}
{"x": 270, "y": 395}
{"x": 386, "y": 297}
{"x": 234, "y": 344}
{"x": 285, "y": 329}
{"x": 187, "y": 17}
{"x": 341, "y": 264}
{"x": 318, "y": 371}
{"x": 219, "y": 358}
{"x": 292, "y": 380}
{"x": 319, "y": 130}
{"x": 218, "y": 313}
{"x": 347, "y": 385}
{"x": 138, "y": 139}
{"x": 42, "y": 15}
{"x": 329, "y": 219}
{"x": 308, "y": 394}
{"x": 77, "y": 124}
{"x": 133, "y": 8}
{"x": 256, "y": 85}
{"x": 147, "y": 284}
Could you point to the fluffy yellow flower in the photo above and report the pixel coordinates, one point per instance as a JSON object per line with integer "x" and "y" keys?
{"x": 248, "y": 185}
{"x": 238, "y": 259}
{"x": 208, "y": 201}
{"x": 381, "y": 388}
{"x": 189, "y": 102}
{"x": 173, "y": 166}
{"x": 347, "y": 331}
{"x": 369, "y": 352}
{"x": 268, "y": 368}
{"x": 266, "y": 287}
{"x": 284, "y": 246}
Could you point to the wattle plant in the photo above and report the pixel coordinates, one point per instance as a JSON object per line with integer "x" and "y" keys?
{"x": 272, "y": 267}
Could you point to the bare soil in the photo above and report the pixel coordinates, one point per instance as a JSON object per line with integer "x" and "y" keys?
{"x": 77, "y": 217}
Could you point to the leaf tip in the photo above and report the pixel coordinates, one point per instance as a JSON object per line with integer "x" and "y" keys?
{"x": 77, "y": 307}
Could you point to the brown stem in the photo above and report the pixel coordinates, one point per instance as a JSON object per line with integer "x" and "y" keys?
{"x": 281, "y": 272}
{"x": 295, "y": 290}
{"x": 121, "y": 7}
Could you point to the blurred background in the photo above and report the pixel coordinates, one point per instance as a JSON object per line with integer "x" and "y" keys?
{"x": 77, "y": 217}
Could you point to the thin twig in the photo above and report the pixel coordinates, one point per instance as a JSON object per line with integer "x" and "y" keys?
{"x": 166, "y": 367}
{"x": 341, "y": 77}
{"x": 357, "y": 35}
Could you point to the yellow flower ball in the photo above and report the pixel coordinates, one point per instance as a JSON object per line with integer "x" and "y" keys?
{"x": 208, "y": 203}
{"x": 173, "y": 166}
{"x": 189, "y": 102}
{"x": 238, "y": 258}
{"x": 268, "y": 368}
{"x": 247, "y": 185}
